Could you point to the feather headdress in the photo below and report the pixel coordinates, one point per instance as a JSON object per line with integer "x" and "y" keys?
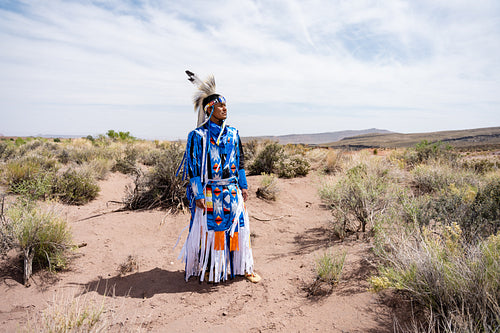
{"x": 200, "y": 99}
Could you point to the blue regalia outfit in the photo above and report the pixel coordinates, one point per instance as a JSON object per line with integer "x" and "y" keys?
{"x": 219, "y": 235}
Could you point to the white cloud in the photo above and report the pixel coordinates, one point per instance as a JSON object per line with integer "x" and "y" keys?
{"x": 321, "y": 59}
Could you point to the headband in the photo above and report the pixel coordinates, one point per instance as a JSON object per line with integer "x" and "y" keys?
{"x": 218, "y": 99}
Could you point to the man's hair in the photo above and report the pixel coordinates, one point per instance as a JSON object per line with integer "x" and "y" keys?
{"x": 209, "y": 99}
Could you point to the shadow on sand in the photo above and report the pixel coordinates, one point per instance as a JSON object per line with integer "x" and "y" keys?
{"x": 149, "y": 283}
{"x": 312, "y": 239}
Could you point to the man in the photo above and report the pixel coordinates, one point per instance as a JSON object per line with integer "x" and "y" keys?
{"x": 218, "y": 244}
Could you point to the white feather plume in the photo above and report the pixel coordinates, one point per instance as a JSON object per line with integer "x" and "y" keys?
{"x": 205, "y": 89}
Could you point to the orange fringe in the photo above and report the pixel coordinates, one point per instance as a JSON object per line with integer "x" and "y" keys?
{"x": 233, "y": 242}
{"x": 220, "y": 240}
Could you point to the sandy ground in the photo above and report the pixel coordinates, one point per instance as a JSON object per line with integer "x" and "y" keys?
{"x": 288, "y": 236}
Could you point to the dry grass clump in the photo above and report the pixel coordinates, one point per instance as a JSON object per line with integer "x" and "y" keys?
{"x": 335, "y": 161}
{"x": 159, "y": 187}
{"x": 251, "y": 148}
{"x": 67, "y": 313}
{"x": 75, "y": 315}
{"x": 85, "y": 312}
{"x": 127, "y": 163}
{"x": 98, "y": 168}
{"x": 268, "y": 188}
{"x": 317, "y": 157}
{"x": 329, "y": 269}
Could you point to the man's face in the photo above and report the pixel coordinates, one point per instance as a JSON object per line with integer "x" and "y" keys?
{"x": 220, "y": 112}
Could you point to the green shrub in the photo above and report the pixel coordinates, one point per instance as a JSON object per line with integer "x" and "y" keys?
{"x": 17, "y": 171}
{"x": 294, "y": 166}
{"x": 7, "y": 150}
{"x": 448, "y": 206}
{"x": 267, "y": 160}
{"x": 27, "y": 168}
{"x": 485, "y": 210}
{"x": 63, "y": 156}
{"x": 41, "y": 235}
{"x": 480, "y": 165}
{"x": 6, "y": 230}
{"x": 122, "y": 136}
{"x": 20, "y": 142}
{"x": 430, "y": 178}
{"x": 476, "y": 208}
{"x": 268, "y": 188}
{"x": 426, "y": 152}
{"x": 273, "y": 158}
{"x": 358, "y": 197}
{"x": 38, "y": 187}
{"x": 75, "y": 187}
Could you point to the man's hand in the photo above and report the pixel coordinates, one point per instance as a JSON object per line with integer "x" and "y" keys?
{"x": 244, "y": 194}
{"x": 200, "y": 203}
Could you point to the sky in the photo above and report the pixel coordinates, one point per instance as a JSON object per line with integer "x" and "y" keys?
{"x": 284, "y": 66}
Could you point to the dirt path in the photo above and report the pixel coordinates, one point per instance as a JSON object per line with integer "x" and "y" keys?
{"x": 289, "y": 235}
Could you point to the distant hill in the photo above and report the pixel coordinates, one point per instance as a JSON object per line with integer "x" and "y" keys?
{"x": 479, "y": 138}
{"x": 316, "y": 138}
{"x": 50, "y": 136}
{"x": 46, "y": 136}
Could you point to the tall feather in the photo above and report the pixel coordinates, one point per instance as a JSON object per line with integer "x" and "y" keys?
{"x": 205, "y": 88}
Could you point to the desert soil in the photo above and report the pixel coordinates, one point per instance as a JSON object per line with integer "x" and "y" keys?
{"x": 288, "y": 237}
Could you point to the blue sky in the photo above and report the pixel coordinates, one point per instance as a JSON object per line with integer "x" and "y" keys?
{"x": 84, "y": 67}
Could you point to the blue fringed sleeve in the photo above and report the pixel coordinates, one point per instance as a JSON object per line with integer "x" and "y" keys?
{"x": 242, "y": 179}
{"x": 194, "y": 150}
